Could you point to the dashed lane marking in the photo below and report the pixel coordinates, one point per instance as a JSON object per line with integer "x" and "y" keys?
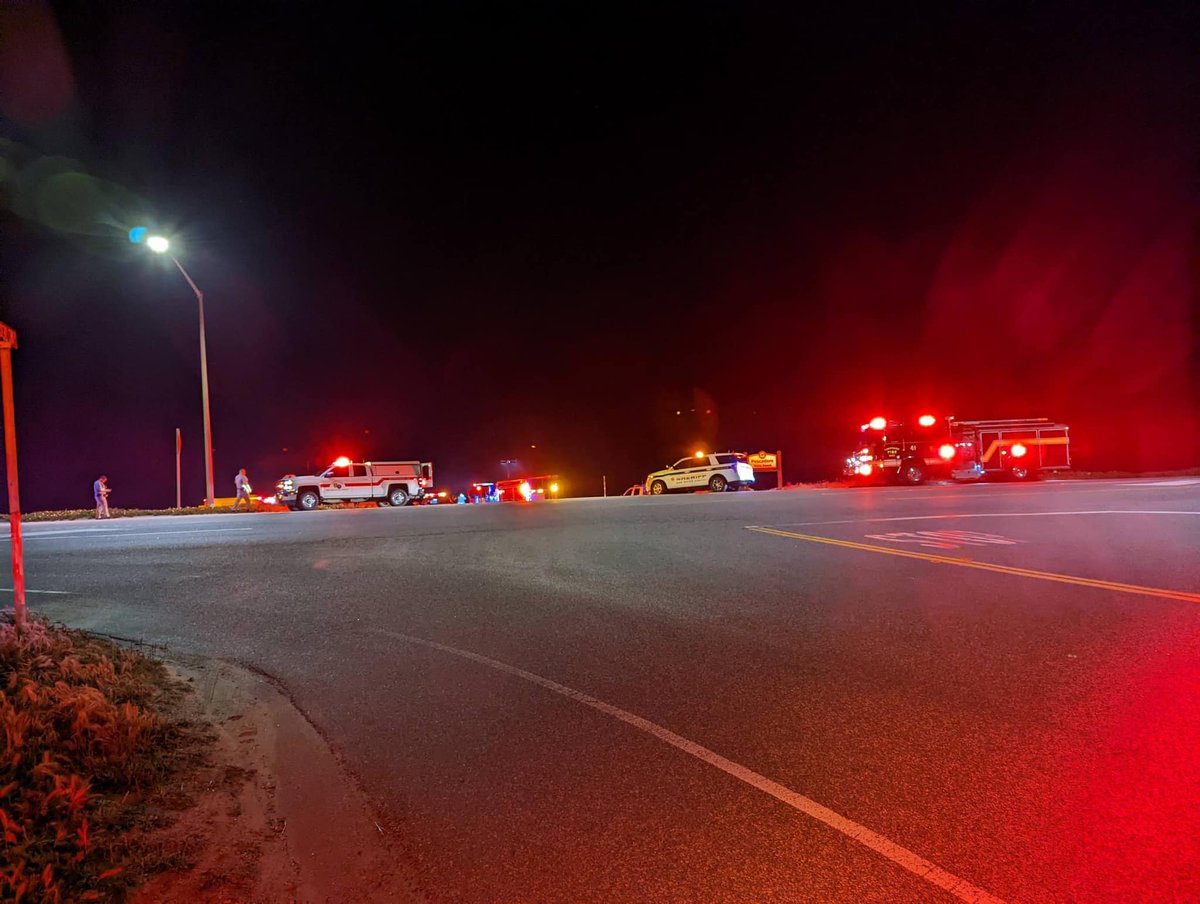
{"x": 901, "y": 856}
{"x": 988, "y": 566}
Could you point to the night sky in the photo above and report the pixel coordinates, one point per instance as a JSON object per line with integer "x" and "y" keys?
{"x": 468, "y": 232}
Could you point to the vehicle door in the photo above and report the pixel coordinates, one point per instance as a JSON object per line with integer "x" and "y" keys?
{"x": 358, "y": 483}
{"x": 696, "y": 472}
{"x": 333, "y": 483}
{"x": 702, "y": 470}
{"x": 677, "y": 477}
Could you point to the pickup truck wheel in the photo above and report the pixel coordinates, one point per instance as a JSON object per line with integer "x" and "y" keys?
{"x": 397, "y": 496}
{"x": 717, "y": 483}
{"x": 657, "y": 488}
{"x": 308, "y": 500}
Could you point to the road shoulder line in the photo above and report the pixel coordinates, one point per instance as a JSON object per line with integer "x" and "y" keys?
{"x": 901, "y": 856}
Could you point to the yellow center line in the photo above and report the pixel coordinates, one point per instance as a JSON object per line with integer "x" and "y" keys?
{"x": 988, "y": 566}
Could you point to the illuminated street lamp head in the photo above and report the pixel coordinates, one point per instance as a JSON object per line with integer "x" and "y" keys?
{"x": 158, "y": 244}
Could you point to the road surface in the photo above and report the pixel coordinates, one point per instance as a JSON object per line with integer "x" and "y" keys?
{"x": 892, "y": 694}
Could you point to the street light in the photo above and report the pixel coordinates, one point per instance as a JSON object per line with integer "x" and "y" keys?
{"x": 160, "y": 245}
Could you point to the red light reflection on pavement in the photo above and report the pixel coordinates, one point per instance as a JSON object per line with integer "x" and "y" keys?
{"x": 1123, "y": 821}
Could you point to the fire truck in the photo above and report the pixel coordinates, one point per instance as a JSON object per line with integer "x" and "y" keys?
{"x": 946, "y": 448}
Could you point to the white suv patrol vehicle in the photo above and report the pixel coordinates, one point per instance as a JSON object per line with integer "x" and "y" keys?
{"x": 717, "y": 472}
{"x": 393, "y": 482}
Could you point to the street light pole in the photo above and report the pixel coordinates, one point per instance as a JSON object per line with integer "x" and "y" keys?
{"x": 210, "y": 500}
{"x": 160, "y": 245}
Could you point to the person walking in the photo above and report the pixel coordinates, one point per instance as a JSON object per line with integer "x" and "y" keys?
{"x": 101, "y": 489}
{"x": 242, "y": 484}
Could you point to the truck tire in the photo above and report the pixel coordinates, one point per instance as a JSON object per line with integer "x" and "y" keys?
{"x": 657, "y": 488}
{"x": 308, "y": 500}
{"x": 397, "y": 496}
{"x": 1020, "y": 472}
{"x": 717, "y": 483}
{"x": 912, "y": 472}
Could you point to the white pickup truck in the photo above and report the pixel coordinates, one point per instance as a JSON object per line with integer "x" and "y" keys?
{"x": 391, "y": 482}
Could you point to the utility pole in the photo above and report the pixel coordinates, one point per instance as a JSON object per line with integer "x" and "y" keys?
{"x": 178, "y": 473}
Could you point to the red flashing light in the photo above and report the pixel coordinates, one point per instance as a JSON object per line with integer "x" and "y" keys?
{"x": 1018, "y": 450}
{"x": 927, "y": 420}
{"x": 865, "y": 470}
{"x": 947, "y": 452}
{"x": 341, "y": 461}
{"x": 878, "y": 423}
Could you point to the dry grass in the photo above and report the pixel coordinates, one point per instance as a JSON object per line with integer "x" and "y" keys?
{"x": 85, "y": 747}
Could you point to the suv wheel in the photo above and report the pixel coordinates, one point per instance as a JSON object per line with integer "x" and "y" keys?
{"x": 308, "y": 500}
{"x": 398, "y": 496}
{"x": 717, "y": 483}
{"x": 657, "y": 488}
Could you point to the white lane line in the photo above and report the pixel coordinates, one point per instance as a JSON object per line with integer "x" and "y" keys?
{"x": 901, "y": 856}
{"x": 1166, "y": 483}
{"x": 972, "y": 515}
{"x": 124, "y": 533}
{"x": 55, "y": 592}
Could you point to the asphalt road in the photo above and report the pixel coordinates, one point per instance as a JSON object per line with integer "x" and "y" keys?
{"x": 746, "y": 697}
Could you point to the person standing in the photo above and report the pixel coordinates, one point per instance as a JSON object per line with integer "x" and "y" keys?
{"x": 101, "y": 489}
{"x": 242, "y": 484}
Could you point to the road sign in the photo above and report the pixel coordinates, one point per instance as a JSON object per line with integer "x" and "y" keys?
{"x": 763, "y": 461}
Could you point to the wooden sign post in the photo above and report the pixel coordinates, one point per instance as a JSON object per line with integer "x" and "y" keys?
{"x": 8, "y": 341}
{"x": 768, "y": 461}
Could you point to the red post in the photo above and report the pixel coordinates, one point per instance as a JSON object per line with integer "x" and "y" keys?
{"x": 178, "y": 473}
{"x": 779, "y": 470}
{"x": 8, "y": 341}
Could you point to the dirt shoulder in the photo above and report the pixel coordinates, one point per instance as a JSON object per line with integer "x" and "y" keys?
{"x": 270, "y": 815}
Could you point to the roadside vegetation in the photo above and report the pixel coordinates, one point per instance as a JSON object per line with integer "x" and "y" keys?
{"x": 81, "y": 514}
{"x": 88, "y": 751}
